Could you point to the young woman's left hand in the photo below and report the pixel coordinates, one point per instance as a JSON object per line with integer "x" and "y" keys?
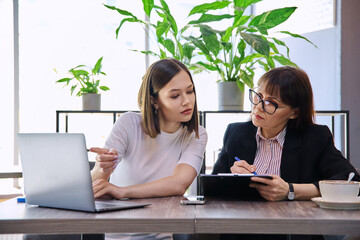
{"x": 104, "y": 189}
{"x": 275, "y": 189}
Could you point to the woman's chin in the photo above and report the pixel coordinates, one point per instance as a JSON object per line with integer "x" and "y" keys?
{"x": 256, "y": 122}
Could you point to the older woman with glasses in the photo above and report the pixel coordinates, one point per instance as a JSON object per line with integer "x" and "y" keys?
{"x": 283, "y": 141}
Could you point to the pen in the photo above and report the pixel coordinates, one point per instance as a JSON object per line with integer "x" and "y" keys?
{"x": 237, "y": 159}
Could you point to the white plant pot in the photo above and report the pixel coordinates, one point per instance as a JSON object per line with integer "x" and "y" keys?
{"x": 230, "y": 97}
{"x": 91, "y": 102}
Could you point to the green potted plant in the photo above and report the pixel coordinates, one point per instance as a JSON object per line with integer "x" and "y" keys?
{"x": 162, "y": 29}
{"x": 241, "y": 47}
{"x": 86, "y": 81}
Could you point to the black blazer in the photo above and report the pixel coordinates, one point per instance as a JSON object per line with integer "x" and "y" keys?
{"x": 307, "y": 157}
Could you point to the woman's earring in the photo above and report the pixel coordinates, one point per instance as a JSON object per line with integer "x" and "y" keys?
{"x": 156, "y": 110}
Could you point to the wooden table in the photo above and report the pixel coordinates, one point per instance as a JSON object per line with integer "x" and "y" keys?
{"x": 286, "y": 217}
{"x": 167, "y": 215}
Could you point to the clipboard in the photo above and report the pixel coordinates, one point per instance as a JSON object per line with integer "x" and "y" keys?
{"x": 228, "y": 185}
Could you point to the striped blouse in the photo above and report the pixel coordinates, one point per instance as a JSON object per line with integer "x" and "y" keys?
{"x": 268, "y": 153}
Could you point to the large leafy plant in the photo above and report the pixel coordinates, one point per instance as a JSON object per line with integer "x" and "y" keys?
{"x": 163, "y": 31}
{"x": 244, "y": 45}
{"x": 85, "y": 79}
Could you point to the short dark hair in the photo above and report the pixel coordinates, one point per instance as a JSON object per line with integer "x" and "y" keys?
{"x": 293, "y": 86}
{"x": 156, "y": 77}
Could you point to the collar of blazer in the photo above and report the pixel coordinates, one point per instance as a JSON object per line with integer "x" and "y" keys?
{"x": 291, "y": 154}
{"x": 246, "y": 135}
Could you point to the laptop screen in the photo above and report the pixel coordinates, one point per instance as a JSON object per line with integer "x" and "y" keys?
{"x": 56, "y": 170}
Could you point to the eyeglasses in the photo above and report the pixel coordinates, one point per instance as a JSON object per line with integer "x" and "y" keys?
{"x": 268, "y": 106}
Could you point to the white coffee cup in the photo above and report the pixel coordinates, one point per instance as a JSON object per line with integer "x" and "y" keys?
{"x": 339, "y": 190}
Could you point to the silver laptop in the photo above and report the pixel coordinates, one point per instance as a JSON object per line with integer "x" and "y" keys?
{"x": 56, "y": 173}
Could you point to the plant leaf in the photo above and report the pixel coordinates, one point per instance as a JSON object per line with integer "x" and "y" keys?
{"x": 258, "y": 43}
{"x": 161, "y": 28}
{"x": 169, "y": 17}
{"x": 227, "y": 46}
{"x": 132, "y": 18}
{"x": 264, "y": 65}
{"x": 240, "y": 21}
{"x": 124, "y": 21}
{"x": 211, "y": 18}
{"x": 104, "y": 88}
{"x": 96, "y": 84}
{"x": 247, "y": 78}
{"x": 262, "y": 30}
{"x": 97, "y": 68}
{"x": 148, "y": 6}
{"x": 72, "y": 89}
{"x": 199, "y": 44}
{"x": 161, "y": 40}
{"x": 162, "y": 54}
{"x": 244, "y": 3}
{"x": 298, "y": 36}
{"x": 184, "y": 29}
{"x": 210, "y": 39}
{"x": 188, "y": 51}
{"x": 236, "y": 62}
{"x": 170, "y": 46}
{"x": 281, "y": 43}
{"x": 241, "y": 49}
{"x": 79, "y": 66}
{"x": 147, "y": 53}
{"x": 240, "y": 84}
{"x": 227, "y": 35}
{"x": 202, "y": 8}
{"x": 64, "y": 80}
{"x": 270, "y": 61}
{"x": 180, "y": 52}
{"x": 89, "y": 84}
{"x": 284, "y": 61}
{"x": 273, "y": 47}
{"x": 272, "y": 18}
{"x": 207, "y": 66}
{"x": 79, "y": 72}
{"x": 249, "y": 58}
{"x": 122, "y": 12}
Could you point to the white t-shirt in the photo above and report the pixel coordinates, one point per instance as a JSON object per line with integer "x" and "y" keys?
{"x": 144, "y": 159}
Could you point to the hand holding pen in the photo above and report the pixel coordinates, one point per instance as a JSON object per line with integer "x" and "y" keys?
{"x": 242, "y": 167}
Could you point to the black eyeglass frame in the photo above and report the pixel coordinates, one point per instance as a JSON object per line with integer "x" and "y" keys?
{"x": 263, "y": 102}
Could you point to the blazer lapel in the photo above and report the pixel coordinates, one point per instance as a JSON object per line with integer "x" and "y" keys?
{"x": 290, "y": 159}
{"x": 245, "y": 148}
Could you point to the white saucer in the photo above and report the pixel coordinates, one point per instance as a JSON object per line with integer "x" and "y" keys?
{"x": 337, "y": 205}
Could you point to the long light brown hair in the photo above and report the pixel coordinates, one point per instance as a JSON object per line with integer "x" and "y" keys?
{"x": 156, "y": 77}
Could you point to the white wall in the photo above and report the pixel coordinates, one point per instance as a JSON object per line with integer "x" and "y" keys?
{"x": 350, "y": 72}
{"x": 322, "y": 64}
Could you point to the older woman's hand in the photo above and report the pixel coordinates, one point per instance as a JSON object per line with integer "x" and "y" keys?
{"x": 106, "y": 159}
{"x": 275, "y": 189}
{"x": 242, "y": 167}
